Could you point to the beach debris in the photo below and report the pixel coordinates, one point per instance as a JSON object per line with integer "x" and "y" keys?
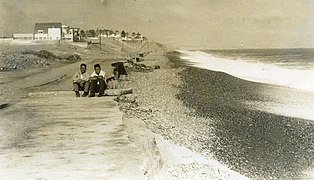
{"x": 136, "y": 67}
{"x": 3, "y": 103}
{"x": 127, "y": 98}
{"x": 117, "y": 92}
{"x": 138, "y": 57}
{"x": 7, "y": 68}
{"x": 43, "y": 54}
{"x": 73, "y": 57}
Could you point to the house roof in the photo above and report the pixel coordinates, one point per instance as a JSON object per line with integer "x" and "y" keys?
{"x": 45, "y": 26}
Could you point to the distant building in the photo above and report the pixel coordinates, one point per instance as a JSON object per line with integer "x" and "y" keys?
{"x": 127, "y": 38}
{"x": 135, "y": 37}
{"x": 117, "y": 34}
{"x": 110, "y": 33}
{"x": 66, "y": 33}
{"x": 76, "y": 34}
{"x": 48, "y": 31}
{"x": 138, "y": 37}
{"x": 23, "y": 36}
{"x": 70, "y": 34}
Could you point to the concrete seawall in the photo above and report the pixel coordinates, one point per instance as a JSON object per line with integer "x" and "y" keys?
{"x": 61, "y": 136}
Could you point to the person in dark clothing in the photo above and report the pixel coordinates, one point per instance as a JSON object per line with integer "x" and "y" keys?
{"x": 118, "y": 69}
{"x": 97, "y": 82}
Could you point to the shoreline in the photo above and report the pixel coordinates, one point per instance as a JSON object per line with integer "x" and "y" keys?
{"x": 203, "y": 111}
{"x": 154, "y": 101}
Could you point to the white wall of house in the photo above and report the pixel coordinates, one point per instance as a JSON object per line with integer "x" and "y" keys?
{"x": 54, "y": 33}
{"x": 40, "y": 36}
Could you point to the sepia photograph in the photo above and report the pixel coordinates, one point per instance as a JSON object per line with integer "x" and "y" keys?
{"x": 157, "y": 89}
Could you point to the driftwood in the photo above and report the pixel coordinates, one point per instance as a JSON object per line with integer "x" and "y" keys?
{"x": 117, "y": 92}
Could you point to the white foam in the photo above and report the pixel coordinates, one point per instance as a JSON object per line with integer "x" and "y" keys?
{"x": 284, "y": 109}
{"x": 253, "y": 71}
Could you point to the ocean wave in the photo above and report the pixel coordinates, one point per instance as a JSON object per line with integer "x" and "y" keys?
{"x": 253, "y": 71}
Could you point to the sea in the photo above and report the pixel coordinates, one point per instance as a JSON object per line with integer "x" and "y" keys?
{"x": 292, "y": 68}
{"x": 286, "y": 67}
{"x": 261, "y": 105}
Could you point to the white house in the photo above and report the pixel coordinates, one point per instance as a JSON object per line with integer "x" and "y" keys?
{"x": 47, "y": 31}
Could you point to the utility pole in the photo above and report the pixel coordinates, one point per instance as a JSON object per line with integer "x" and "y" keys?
{"x": 100, "y": 41}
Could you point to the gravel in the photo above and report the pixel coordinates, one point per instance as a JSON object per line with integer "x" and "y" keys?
{"x": 158, "y": 105}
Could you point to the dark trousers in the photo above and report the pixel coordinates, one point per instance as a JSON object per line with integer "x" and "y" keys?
{"x": 81, "y": 86}
{"x": 100, "y": 87}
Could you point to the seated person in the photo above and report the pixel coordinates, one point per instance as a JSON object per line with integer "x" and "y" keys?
{"x": 81, "y": 81}
{"x": 97, "y": 81}
{"x": 118, "y": 70}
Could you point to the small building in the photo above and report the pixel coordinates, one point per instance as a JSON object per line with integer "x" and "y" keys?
{"x": 139, "y": 37}
{"x": 76, "y": 34}
{"x": 66, "y": 34}
{"x": 23, "y": 36}
{"x": 48, "y": 31}
{"x": 117, "y": 34}
{"x": 127, "y": 38}
{"x": 70, "y": 34}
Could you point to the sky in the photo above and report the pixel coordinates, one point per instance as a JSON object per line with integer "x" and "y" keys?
{"x": 185, "y": 24}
